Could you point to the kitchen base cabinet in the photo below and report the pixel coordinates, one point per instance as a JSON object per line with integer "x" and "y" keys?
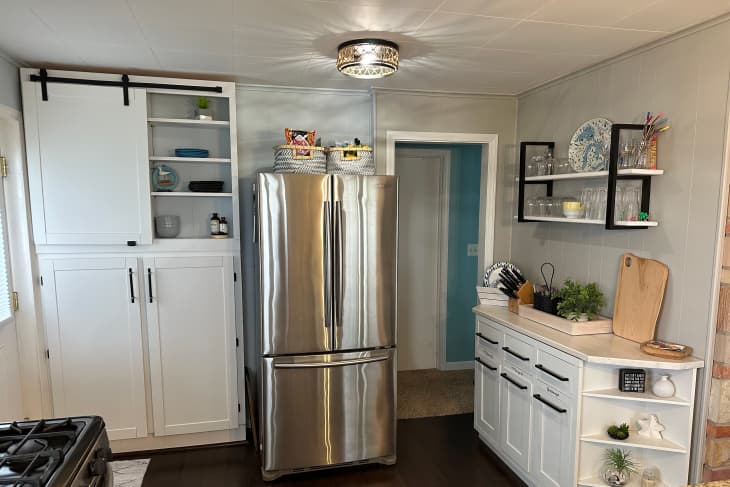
{"x": 559, "y": 393}
{"x": 515, "y": 415}
{"x": 94, "y": 333}
{"x": 191, "y": 313}
{"x": 486, "y": 400}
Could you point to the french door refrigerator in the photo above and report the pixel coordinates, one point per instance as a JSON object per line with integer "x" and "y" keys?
{"x": 327, "y": 278}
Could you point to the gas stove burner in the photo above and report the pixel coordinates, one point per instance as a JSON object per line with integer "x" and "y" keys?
{"x": 24, "y": 455}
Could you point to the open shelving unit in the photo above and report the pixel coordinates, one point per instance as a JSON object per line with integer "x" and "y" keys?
{"x": 170, "y": 125}
{"x": 613, "y": 175}
{"x": 604, "y": 404}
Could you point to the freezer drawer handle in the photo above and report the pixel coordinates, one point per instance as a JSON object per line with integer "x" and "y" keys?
{"x": 551, "y": 373}
{"x": 493, "y": 342}
{"x": 339, "y": 363}
{"x": 514, "y": 382}
{"x": 549, "y": 404}
{"x": 326, "y": 238}
{"x": 511, "y": 352}
{"x": 485, "y": 364}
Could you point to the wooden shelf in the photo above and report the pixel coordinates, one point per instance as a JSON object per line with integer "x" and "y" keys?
{"x": 640, "y": 172}
{"x": 192, "y": 160}
{"x": 563, "y": 220}
{"x": 645, "y": 397}
{"x": 635, "y": 441}
{"x": 191, "y": 194}
{"x": 637, "y": 224}
{"x": 184, "y": 122}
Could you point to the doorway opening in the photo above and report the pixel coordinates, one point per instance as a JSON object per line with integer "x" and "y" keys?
{"x": 445, "y": 239}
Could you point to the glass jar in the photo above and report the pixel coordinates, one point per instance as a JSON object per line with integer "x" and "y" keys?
{"x": 530, "y": 168}
{"x": 562, "y": 166}
{"x": 531, "y": 207}
{"x": 549, "y": 162}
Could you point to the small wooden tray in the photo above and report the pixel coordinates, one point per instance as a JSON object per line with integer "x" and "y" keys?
{"x": 675, "y": 351}
{"x": 598, "y": 326}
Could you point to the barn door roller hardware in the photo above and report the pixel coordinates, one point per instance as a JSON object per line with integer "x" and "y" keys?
{"x": 124, "y": 84}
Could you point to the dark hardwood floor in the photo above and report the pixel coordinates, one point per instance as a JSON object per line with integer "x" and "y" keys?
{"x": 440, "y": 451}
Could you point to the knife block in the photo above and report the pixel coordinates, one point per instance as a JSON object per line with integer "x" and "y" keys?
{"x": 525, "y": 295}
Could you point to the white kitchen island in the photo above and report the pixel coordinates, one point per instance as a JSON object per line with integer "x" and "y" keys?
{"x": 544, "y": 399}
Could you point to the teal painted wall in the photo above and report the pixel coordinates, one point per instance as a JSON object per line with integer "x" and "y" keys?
{"x": 463, "y": 230}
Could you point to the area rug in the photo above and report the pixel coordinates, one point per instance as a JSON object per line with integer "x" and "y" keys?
{"x": 431, "y": 392}
{"x": 129, "y": 473}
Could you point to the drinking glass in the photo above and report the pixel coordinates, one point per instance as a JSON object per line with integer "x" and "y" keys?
{"x": 542, "y": 204}
{"x": 626, "y": 156}
{"x": 541, "y": 165}
{"x": 531, "y": 208}
{"x": 531, "y": 168}
{"x": 631, "y": 207}
{"x": 586, "y": 198}
{"x": 601, "y": 198}
{"x": 618, "y": 210}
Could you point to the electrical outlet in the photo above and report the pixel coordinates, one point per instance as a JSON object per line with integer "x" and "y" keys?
{"x": 472, "y": 250}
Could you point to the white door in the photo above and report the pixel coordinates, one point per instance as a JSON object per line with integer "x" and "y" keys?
{"x": 92, "y": 310}
{"x": 486, "y": 400}
{"x": 422, "y": 238}
{"x": 515, "y": 417}
{"x": 87, "y": 164}
{"x": 11, "y": 406}
{"x": 192, "y": 340}
{"x": 553, "y": 438}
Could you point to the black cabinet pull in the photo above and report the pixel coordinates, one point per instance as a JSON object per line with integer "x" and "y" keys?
{"x": 551, "y": 373}
{"x": 487, "y": 339}
{"x": 485, "y": 364}
{"x": 149, "y": 282}
{"x": 511, "y": 352}
{"x": 131, "y": 285}
{"x": 549, "y": 404}
{"x": 514, "y": 382}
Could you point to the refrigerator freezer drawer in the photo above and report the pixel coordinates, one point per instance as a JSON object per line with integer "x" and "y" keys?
{"x": 329, "y": 409}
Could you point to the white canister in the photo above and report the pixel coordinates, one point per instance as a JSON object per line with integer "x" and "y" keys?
{"x": 664, "y": 387}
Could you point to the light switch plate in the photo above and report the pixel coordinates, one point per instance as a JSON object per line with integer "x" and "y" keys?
{"x": 472, "y": 250}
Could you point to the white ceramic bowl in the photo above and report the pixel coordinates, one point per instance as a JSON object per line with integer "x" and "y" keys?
{"x": 573, "y": 213}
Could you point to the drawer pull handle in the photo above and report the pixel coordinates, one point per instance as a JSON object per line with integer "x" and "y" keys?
{"x": 551, "y": 373}
{"x": 485, "y": 364}
{"x": 549, "y": 404}
{"x": 511, "y": 352}
{"x": 493, "y": 342}
{"x": 513, "y": 382}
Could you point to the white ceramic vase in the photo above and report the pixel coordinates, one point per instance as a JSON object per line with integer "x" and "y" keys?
{"x": 664, "y": 387}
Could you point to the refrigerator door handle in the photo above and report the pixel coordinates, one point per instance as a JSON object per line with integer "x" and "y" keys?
{"x": 338, "y": 363}
{"x": 339, "y": 263}
{"x": 327, "y": 262}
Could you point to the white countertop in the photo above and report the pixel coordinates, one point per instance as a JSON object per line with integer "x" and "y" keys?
{"x": 606, "y": 349}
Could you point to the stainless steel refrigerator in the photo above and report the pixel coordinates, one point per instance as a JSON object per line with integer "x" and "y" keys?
{"x": 327, "y": 282}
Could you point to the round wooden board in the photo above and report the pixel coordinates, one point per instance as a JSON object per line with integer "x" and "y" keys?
{"x": 658, "y": 352}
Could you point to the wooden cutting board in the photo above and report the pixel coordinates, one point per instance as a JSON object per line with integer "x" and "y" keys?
{"x": 639, "y": 296}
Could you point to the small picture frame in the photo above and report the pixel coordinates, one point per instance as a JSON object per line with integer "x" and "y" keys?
{"x": 632, "y": 380}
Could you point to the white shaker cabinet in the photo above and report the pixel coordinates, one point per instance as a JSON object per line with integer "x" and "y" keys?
{"x": 553, "y": 437}
{"x": 191, "y": 313}
{"x": 87, "y": 165}
{"x": 486, "y": 404}
{"x": 515, "y": 416}
{"x": 94, "y": 331}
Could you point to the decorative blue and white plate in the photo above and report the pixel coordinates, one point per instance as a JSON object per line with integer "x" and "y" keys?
{"x": 491, "y": 277}
{"x": 589, "y": 146}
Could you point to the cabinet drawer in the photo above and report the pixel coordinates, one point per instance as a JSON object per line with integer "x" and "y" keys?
{"x": 556, "y": 372}
{"x": 489, "y": 340}
{"x": 519, "y": 351}
{"x": 485, "y": 350}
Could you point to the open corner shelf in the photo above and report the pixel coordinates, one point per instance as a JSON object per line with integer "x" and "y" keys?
{"x": 563, "y": 220}
{"x": 645, "y": 397}
{"x": 636, "y": 224}
{"x": 593, "y": 175}
{"x": 192, "y": 194}
{"x": 635, "y": 441}
{"x": 184, "y": 122}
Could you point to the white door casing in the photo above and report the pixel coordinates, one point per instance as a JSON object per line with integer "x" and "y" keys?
{"x": 92, "y": 308}
{"x": 190, "y": 315}
{"x": 422, "y": 256}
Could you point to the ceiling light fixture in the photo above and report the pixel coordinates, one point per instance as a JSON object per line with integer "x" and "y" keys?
{"x": 367, "y": 58}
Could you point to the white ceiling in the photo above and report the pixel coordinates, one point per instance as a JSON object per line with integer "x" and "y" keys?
{"x": 485, "y": 46}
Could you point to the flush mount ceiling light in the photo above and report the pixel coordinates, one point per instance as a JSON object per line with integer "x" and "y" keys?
{"x": 367, "y": 58}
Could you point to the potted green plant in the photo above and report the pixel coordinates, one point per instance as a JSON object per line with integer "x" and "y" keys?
{"x": 618, "y": 467}
{"x": 203, "y": 110}
{"x": 580, "y": 302}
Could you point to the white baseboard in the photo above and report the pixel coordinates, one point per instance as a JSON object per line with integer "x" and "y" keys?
{"x": 469, "y": 364}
